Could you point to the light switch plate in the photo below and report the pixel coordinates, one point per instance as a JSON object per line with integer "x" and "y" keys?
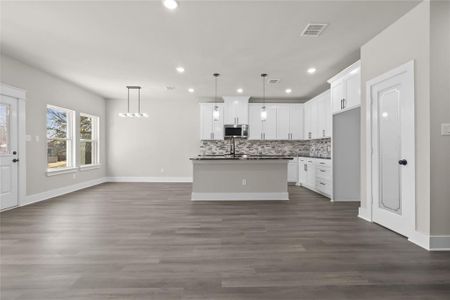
{"x": 445, "y": 129}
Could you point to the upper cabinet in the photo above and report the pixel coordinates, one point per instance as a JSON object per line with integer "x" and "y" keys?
{"x": 236, "y": 110}
{"x": 211, "y": 129}
{"x": 262, "y": 130}
{"x": 318, "y": 117}
{"x": 290, "y": 121}
{"x": 284, "y": 121}
{"x": 346, "y": 88}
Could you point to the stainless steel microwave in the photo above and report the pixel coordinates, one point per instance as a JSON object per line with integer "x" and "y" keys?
{"x": 236, "y": 131}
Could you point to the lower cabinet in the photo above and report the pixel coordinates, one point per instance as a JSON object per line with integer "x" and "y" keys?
{"x": 293, "y": 170}
{"x": 316, "y": 175}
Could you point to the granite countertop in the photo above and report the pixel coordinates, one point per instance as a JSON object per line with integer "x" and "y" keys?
{"x": 241, "y": 157}
{"x": 313, "y": 156}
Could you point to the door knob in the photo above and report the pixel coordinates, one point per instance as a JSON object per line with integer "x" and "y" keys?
{"x": 403, "y": 162}
{"x": 15, "y": 160}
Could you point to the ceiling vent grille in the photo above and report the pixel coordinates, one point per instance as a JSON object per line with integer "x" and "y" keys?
{"x": 313, "y": 29}
{"x": 273, "y": 81}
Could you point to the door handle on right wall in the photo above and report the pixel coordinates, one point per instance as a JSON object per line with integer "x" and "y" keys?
{"x": 403, "y": 162}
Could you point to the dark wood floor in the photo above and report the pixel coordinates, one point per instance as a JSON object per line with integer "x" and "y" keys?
{"x": 149, "y": 241}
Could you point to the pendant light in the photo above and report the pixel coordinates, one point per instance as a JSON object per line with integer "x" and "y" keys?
{"x": 263, "y": 108}
{"x": 129, "y": 114}
{"x": 216, "y": 112}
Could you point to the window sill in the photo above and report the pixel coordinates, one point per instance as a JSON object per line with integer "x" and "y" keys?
{"x": 61, "y": 171}
{"x": 90, "y": 167}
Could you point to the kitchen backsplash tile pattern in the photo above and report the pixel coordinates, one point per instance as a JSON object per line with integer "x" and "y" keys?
{"x": 319, "y": 148}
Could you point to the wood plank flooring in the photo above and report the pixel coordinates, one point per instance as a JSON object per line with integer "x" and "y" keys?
{"x": 149, "y": 241}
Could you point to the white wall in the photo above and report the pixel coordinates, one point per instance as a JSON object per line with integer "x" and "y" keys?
{"x": 440, "y": 113}
{"x": 42, "y": 89}
{"x": 406, "y": 39}
{"x": 165, "y": 140}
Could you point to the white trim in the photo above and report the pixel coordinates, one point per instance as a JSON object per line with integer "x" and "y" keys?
{"x": 420, "y": 239}
{"x": 20, "y": 95}
{"x": 440, "y": 243}
{"x": 90, "y": 167}
{"x": 149, "y": 179}
{"x": 53, "y": 172}
{"x": 61, "y": 191}
{"x": 362, "y": 213}
{"x": 407, "y": 67}
{"x": 239, "y": 196}
{"x": 346, "y": 109}
{"x": 11, "y": 91}
{"x": 346, "y": 200}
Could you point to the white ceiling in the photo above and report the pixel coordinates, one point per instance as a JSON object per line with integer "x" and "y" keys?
{"x": 106, "y": 45}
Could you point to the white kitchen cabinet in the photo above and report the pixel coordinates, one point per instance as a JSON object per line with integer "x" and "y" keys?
{"x": 293, "y": 170}
{"x": 346, "y": 88}
{"x": 262, "y": 130}
{"x": 211, "y": 129}
{"x": 290, "y": 119}
{"x": 316, "y": 175}
{"x": 318, "y": 117}
{"x": 302, "y": 169}
{"x": 235, "y": 110}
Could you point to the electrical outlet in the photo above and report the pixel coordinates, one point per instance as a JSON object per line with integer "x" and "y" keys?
{"x": 445, "y": 129}
{"x": 244, "y": 181}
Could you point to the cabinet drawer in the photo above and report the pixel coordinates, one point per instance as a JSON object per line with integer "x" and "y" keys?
{"x": 323, "y": 172}
{"x": 323, "y": 185}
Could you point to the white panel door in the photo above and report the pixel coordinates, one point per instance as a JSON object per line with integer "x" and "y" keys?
{"x": 283, "y": 130}
{"x": 302, "y": 171}
{"x": 393, "y": 166}
{"x": 254, "y": 121}
{"x": 310, "y": 173}
{"x": 8, "y": 153}
{"x": 296, "y": 121}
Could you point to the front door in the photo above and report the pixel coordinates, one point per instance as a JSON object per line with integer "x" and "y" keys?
{"x": 8, "y": 152}
{"x": 393, "y": 172}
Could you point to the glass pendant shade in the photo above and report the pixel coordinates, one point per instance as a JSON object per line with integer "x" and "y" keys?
{"x": 216, "y": 113}
{"x": 263, "y": 113}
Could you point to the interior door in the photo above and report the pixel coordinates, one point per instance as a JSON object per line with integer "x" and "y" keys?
{"x": 393, "y": 166}
{"x": 8, "y": 153}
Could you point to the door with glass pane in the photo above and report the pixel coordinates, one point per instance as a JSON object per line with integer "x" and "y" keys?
{"x": 393, "y": 177}
{"x": 8, "y": 152}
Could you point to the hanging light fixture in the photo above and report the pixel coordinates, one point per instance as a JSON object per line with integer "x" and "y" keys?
{"x": 216, "y": 112}
{"x": 263, "y": 108}
{"x": 129, "y": 114}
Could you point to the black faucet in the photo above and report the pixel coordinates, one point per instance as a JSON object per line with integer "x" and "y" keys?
{"x": 232, "y": 147}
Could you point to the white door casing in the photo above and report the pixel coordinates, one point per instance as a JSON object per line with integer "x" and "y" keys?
{"x": 8, "y": 152}
{"x": 391, "y": 172}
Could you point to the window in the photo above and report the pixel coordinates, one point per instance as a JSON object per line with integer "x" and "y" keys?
{"x": 60, "y": 127}
{"x": 89, "y": 149}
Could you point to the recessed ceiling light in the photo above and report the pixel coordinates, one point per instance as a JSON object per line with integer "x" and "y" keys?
{"x": 240, "y": 91}
{"x": 191, "y": 90}
{"x": 288, "y": 91}
{"x": 170, "y": 4}
{"x": 180, "y": 69}
{"x": 312, "y": 70}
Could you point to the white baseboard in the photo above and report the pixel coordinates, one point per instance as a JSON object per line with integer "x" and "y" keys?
{"x": 431, "y": 242}
{"x": 440, "y": 243}
{"x": 346, "y": 200}
{"x": 60, "y": 191}
{"x": 239, "y": 196}
{"x": 149, "y": 179}
{"x": 362, "y": 213}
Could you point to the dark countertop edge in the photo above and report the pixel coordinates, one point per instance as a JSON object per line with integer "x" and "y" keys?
{"x": 241, "y": 158}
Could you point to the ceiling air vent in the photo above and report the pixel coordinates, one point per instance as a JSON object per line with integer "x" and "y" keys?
{"x": 313, "y": 29}
{"x": 273, "y": 81}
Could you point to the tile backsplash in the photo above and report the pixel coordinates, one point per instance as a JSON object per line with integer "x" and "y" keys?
{"x": 319, "y": 148}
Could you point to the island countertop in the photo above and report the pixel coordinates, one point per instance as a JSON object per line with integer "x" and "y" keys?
{"x": 242, "y": 157}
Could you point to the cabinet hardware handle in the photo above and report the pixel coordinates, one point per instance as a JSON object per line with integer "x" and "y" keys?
{"x": 261, "y": 135}
{"x": 323, "y": 132}
{"x": 322, "y": 183}
{"x": 15, "y": 160}
{"x": 322, "y": 170}
{"x": 343, "y": 103}
{"x": 322, "y": 163}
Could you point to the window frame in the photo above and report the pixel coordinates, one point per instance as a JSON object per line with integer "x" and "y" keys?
{"x": 95, "y": 141}
{"x": 70, "y": 141}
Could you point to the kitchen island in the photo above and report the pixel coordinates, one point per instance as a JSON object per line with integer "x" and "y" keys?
{"x": 241, "y": 177}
